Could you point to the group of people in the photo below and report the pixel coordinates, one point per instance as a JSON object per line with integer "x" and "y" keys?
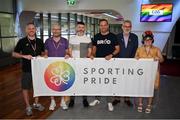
{"x": 103, "y": 45}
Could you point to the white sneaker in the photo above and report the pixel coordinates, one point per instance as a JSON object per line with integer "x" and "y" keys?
{"x": 63, "y": 105}
{"x": 95, "y": 102}
{"x": 29, "y": 111}
{"x": 110, "y": 107}
{"x": 52, "y": 105}
{"x": 38, "y": 106}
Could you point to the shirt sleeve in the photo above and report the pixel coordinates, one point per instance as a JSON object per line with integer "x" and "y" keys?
{"x": 90, "y": 43}
{"x": 67, "y": 44}
{"x": 137, "y": 52}
{"x": 43, "y": 47}
{"x": 18, "y": 47}
{"x": 135, "y": 46}
{"x": 116, "y": 42}
{"x": 46, "y": 45}
{"x": 94, "y": 41}
{"x": 70, "y": 43}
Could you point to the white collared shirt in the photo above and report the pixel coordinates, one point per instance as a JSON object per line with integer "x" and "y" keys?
{"x": 126, "y": 38}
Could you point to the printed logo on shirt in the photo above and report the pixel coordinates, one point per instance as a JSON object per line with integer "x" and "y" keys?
{"x": 106, "y": 41}
{"x": 59, "y": 76}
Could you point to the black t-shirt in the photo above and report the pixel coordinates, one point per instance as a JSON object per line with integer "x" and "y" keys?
{"x": 105, "y": 44}
{"x": 29, "y": 47}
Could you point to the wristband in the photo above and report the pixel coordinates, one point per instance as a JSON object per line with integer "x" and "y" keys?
{"x": 113, "y": 54}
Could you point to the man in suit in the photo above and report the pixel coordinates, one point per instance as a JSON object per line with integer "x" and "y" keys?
{"x": 128, "y": 44}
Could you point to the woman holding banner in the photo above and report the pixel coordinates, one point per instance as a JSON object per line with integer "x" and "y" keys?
{"x": 148, "y": 50}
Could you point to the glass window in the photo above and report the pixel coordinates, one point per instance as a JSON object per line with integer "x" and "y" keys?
{"x": 8, "y": 44}
{"x": 65, "y": 36}
{"x": 88, "y": 27}
{"x": 92, "y": 27}
{"x": 6, "y": 6}
{"x": 45, "y": 26}
{"x": 84, "y": 19}
{"x": 115, "y": 28}
{"x": 90, "y": 23}
{"x": 45, "y": 37}
{"x": 37, "y": 24}
{"x": 54, "y": 18}
{"x": 8, "y": 34}
{"x": 96, "y": 26}
{"x": 64, "y": 25}
{"x": 7, "y": 25}
{"x": 78, "y": 18}
{"x": 72, "y": 25}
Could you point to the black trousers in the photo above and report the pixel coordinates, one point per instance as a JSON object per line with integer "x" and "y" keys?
{"x": 73, "y": 97}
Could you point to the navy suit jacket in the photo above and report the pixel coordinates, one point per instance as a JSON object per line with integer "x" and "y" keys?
{"x": 132, "y": 45}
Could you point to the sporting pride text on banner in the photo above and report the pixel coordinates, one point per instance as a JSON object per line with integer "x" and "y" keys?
{"x": 98, "y": 77}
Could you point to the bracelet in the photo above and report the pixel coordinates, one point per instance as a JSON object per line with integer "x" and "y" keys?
{"x": 113, "y": 54}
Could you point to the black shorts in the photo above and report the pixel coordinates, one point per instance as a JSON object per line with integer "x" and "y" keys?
{"x": 26, "y": 81}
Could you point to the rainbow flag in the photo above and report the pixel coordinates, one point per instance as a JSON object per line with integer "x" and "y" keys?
{"x": 156, "y": 13}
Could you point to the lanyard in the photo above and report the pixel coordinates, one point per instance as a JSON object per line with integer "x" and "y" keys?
{"x": 58, "y": 44}
{"x": 33, "y": 46}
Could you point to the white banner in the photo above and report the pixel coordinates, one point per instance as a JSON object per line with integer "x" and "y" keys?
{"x": 98, "y": 77}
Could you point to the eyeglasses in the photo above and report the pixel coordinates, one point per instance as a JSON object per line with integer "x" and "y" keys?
{"x": 127, "y": 26}
{"x": 56, "y": 29}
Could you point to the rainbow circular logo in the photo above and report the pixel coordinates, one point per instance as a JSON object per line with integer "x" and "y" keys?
{"x": 59, "y": 76}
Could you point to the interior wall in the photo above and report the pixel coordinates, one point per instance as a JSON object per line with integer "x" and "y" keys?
{"x": 129, "y": 9}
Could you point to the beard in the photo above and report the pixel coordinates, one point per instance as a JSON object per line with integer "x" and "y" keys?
{"x": 104, "y": 30}
{"x": 126, "y": 31}
{"x": 56, "y": 35}
{"x": 31, "y": 34}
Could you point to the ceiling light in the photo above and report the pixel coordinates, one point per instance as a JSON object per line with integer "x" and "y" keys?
{"x": 112, "y": 16}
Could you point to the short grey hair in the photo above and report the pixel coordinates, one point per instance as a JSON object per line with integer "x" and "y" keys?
{"x": 127, "y": 21}
{"x": 56, "y": 24}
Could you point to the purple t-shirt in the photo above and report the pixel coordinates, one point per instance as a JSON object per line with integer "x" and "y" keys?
{"x": 56, "y": 49}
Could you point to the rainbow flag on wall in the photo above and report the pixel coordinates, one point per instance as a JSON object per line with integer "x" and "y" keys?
{"x": 156, "y": 13}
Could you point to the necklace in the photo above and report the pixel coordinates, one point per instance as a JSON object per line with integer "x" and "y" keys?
{"x": 148, "y": 50}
